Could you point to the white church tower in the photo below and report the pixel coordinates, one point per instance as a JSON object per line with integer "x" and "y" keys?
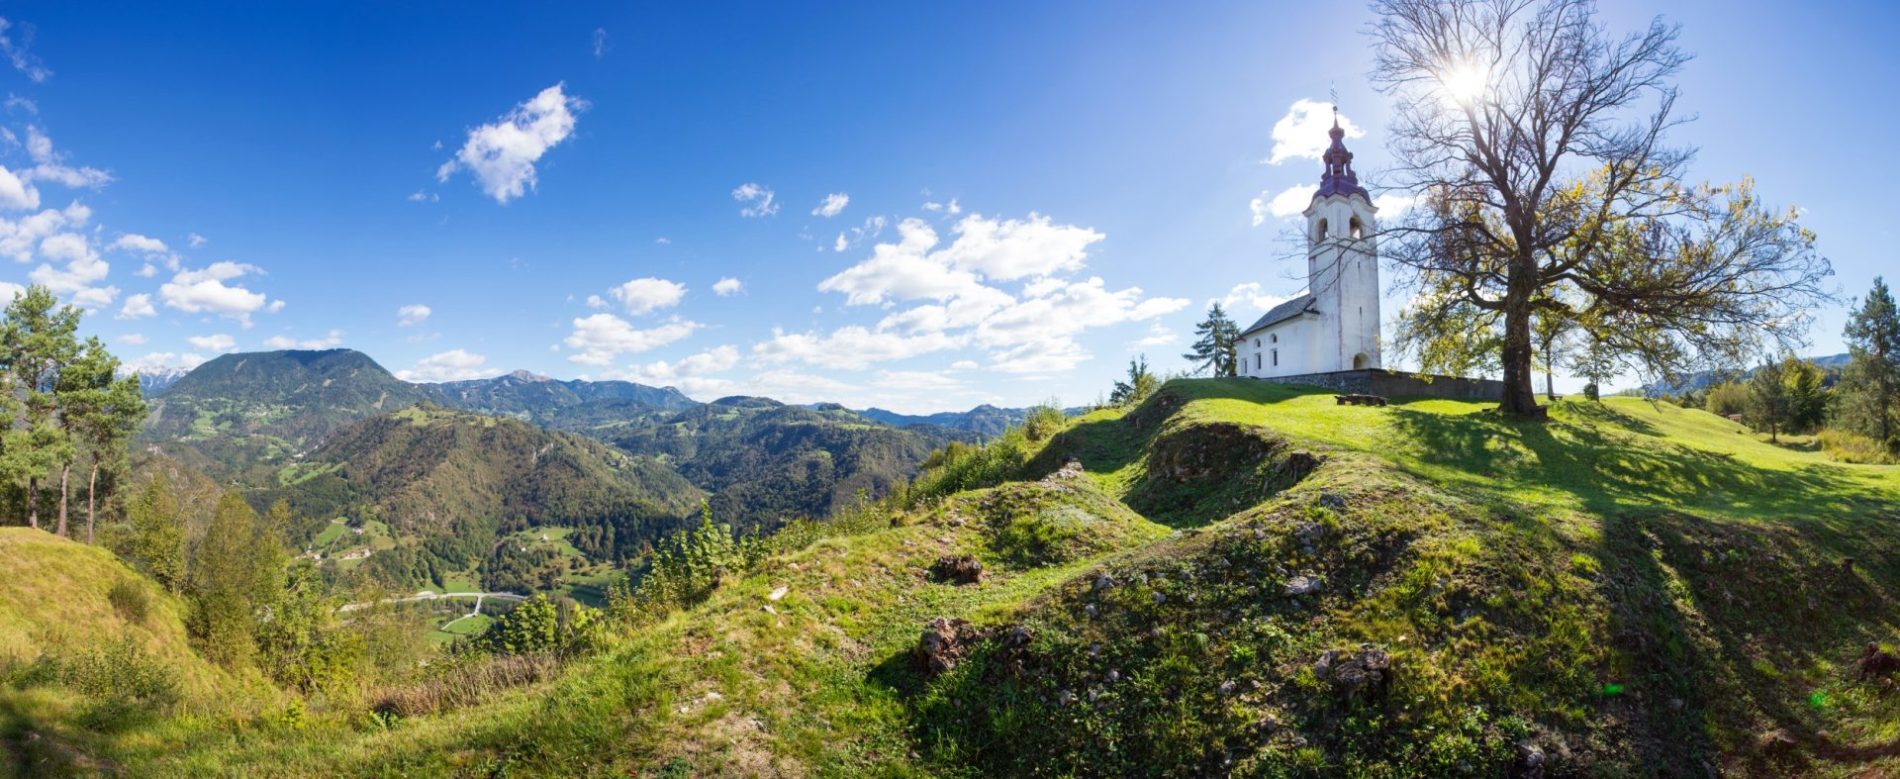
{"x": 1334, "y": 326}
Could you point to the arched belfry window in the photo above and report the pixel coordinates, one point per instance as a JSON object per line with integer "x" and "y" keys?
{"x": 1358, "y": 230}
{"x": 1319, "y": 232}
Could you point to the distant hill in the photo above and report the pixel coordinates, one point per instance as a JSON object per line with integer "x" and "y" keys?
{"x": 985, "y": 420}
{"x": 447, "y": 484}
{"x": 765, "y": 461}
{"x": 546, "y": 401}
{"x": 1705, "y": 379}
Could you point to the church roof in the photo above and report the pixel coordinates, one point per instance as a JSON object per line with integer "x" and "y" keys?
{"x": 1339, "y": 178}
{"x": 1282, "y": 312}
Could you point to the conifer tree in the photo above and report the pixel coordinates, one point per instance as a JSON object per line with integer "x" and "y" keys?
{"x": 1140, "y": 384}
{"x": 37, "y": 341}
{"x": 1870, "y": 387}
{"x": 1213, "y": 349}
{"x": 1767, "y": 407}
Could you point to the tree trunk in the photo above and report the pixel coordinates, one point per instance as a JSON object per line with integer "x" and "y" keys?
{"x": 1520, "y": 387}
{"x": 32, "y": 502}
{"x": 65, "y": 473}
{"x": 92, "y": 492}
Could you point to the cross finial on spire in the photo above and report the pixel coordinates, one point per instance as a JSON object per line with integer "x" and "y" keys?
{"x": 1332, "y": 89}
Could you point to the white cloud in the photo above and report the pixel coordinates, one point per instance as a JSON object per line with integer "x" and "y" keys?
{"x": 218, "y": 342}
{"x": 412, "y": 314}
{"x": 727, "y": 287}
{"x": 204, "y": 291}
{"x": 1291, "y": 201}
{"x": 9, "y": 291}
{"x": 599, "y": 338}
{"x": 195, "y": 240}
{"x": 662, "y": 373}
{"x": 1301, "y": 133}
{"x": 83, "y": 268}
{"x": 330, "y": 340}
{"x": 1393, "y": 204}
{"x": 917, "y": 380}
{"x": 139, "y": 305}
{"x": 20, "y": 239}
{"x": 163, "y": 362}
{"x": 421, "y": 196}
{"x": 646, "y": 295}
{"x": 140, "y": 244}
{"x": 16, "y": 193}
{"x": 1252, "y": 295}
{"x": 1014, "y": 249}
{"x": 50, "y": 165}
{"x": 852, "y": 236}
{"x": 850, "y": 348}
{"x": 21, "y": 103}
{"x": 1158, "y": 335}
{"x": 132, "y": 339}
{"x": 502, "y": 154}
{"x": 601, "y": 45}
{"x": 951, "y": 208}
{"x": 452, "y": 365}
{"x": 16, "y": 53}
{"x": 1050, "y": 356}
{"x": 833, "y": 205}
{"x": 663, "y": 241}
{"x": 760, "y": 200}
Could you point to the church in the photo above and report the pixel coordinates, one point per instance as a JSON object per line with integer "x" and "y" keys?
{"x": 1334, "y": 325}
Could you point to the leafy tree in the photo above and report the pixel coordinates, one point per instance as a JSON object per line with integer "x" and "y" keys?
{"x": 99, "y": 411}
{"x": 155, "y": 541}
{"x": 1213, "y": 349}
{"x": 1726, "y": 399}
{"x": 1140, "y": 384}
{"x": 236, "y": 578}
{"x": 37, "y": 340}
{"x": 1807, "y": 399}
{"x": 538, "y": 625}
{"x": 1514, "y": 128}
{"x": 1870, "y": 386}
{"x": 1767, "y": 407}
{"x": 1551, "y": 329}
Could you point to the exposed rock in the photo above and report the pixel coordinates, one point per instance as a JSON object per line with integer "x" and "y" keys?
{"x": 1529, "y": 763}
{"x": 1302, "y": 585}
{"x": 1102, "y": 582}
{"x": 943, "y": 645}
{"x": 1366, "y": 672}
{"x": 1332, "y": 501}
{"x": 778, "y": 593}
{"x": 1298, "y": 464}
{"x": 958, "y": 569}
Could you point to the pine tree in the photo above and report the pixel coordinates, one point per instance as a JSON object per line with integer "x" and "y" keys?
{"x": 37, "y": 341}
{"x": 237, "y": 575}
{"x": 1807, "y": 399}
{"x": 155, "y": 542}
{"x": 1870, "y": 387}
{"x": 1213, "y": 349}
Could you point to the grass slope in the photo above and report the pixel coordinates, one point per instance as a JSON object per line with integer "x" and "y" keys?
{"x": 1628, "y": 590}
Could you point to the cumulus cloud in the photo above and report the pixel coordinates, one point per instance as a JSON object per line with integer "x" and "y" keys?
{"x": 140, "y": 244}
{"x": 205, "y": 291}
{"x": 82, "y": 269}
{"x": 195, "y": 240}
{"x": 951, "y": 208}
{"x": 1291, "y": 201}
{"x": 132, "y": 339}
{"x": 50, "y": 165}
{"x": 136, "y": 306}
{"x": 330, "y": 340}
{"x": 1250, "y": 295}
{"x": 1158, "y": 335}
{"x": 420, "y": 196}
{"x": 1301, "y": 133}
{"x": 850, "y": 348}
{"x": 832, "y": 205}
{"x": 697, "y": 366}
{"x": 452, "y": 365}
{"x": 599, "y": 338}
{"x": 15, "y": 193}
{"x": 218, "y": 342}
{"x": 412, "y": 314}
{"x": 20, "y": 239}
{"x": 759, "y": 201}
{"x": 502, "y": 154}
{"x": 1393, "y": 204}
{"x": 646, "y": 295}
{"x": 17, "y": 54}
{"x": 852, "y": 236}
{"x": 728, "y": 287}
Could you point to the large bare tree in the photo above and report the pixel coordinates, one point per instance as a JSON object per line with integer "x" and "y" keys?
{"x": 1534, "y": 140}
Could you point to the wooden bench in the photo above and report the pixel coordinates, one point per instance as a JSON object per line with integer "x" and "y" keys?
{"x": 1358, "y": 400}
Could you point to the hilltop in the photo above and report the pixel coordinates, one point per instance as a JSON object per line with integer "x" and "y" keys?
{"x": 1240, "y": 577}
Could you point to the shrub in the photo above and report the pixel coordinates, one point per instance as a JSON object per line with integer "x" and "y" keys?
{"x": 541, "y": 626}
{"x": 1851, "y": 447}
{"x": 1727, "y": 399}
{"x": 959, "y": 466}
{"x": 460, "y": 681}
{"x": 121, "y": 673}
{"x": 130, "y": 600}
{"x": 1591, "y": 392}
{"x": 1044, "y": 421}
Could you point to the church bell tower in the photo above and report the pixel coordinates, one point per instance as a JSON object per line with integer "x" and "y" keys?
{"x": 1342, "y": 263}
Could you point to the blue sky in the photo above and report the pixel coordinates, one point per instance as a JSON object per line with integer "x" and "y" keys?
{"x": 1031, "y": 196}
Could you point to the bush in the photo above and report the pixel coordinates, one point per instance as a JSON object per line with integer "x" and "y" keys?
{"x": 1850, "y": 447}
{"x": 1727, "y": 399}
{"x": 1591, "y": 392}
{"x": 130, "y": 600}
{"x": 959, "y": 466}
{"x": 1044, "y": 421}
{"x": 122, "y": 673}
{"x": 541, "y": 626}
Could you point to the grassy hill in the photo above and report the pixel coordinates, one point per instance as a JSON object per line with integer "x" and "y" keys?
{"x": 1242, "y": 578}
{"x": 105, "y": 649}
{"x": 433, "y": 489}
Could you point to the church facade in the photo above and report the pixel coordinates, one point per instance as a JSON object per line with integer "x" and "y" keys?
{"x": 1334, "y": 325}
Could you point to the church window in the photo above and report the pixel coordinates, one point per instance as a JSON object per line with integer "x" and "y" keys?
{"x": 1256, "y": 358}
{"x": 1319, "y": 234}
{"x": 1276, "y": 358}
{"x": 1357, "y": 230}
{"x": 1275, "y": 337}
{"x": 1256, "y": 343}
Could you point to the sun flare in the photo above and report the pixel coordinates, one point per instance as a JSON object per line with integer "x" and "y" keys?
{"x": 1462, "y": 83}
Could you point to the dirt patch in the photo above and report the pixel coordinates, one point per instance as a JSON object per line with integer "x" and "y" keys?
{"x": 1200, "y": 473}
